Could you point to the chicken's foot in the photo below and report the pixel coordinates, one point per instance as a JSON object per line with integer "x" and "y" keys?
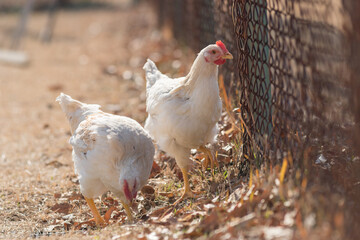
{"x": 128, "y": 211}
{"x": 97, "y": 217}
{"x": 209, "y": 156}
{"x": 188, "y": 193}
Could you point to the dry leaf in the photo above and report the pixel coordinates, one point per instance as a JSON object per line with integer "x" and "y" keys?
{"x": 75, "y": 196}
{"x": 57, "y": 195}
{"x": 90, "y": 222}
{"x": 147, "y": 190}
{"x": 193, "y": 232}
{"x": 167, "y": 217}
{"x": 109, "y": 201}
{"x": 107, "y": 215}
{"x": 155, "y": 170}
{"x": 159, "y": 211}
{"x": 52, "y": 228}
{"x": 167, "y": 194}
{"x": 62, "y": 208}
{"x": 190, "y": 216}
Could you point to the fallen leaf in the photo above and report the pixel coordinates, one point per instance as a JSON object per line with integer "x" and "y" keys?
{"x": 57, "y": 195}
{"x": 189, "y": 217}
{"x": 240, "y": 222}
{"x": 78, "y": 225}
{"x": 68, "y": 217}
{"x": 167, "y": 194}
{"x": 52, "y": 228}
{"x": 209, "y": 206}
{"x": 166, "y": 213}
{"x": 159, "y": 211}
{"x": 62, "y": 208}
{"x": 193, "y": 232}
{"x": 167, "y": 217}
{"x": 148, "y": 192}
{"x": 107, "y": 215}
{"x": 186, "y": 218}
{"x": 75, "y": 196}
{"x": 152, "y": 236}
{"x": 277, "y": 232}
{"x": 109, "y": 201}
{"x": 236, "y": 195}
{"x": 155, "y": 170}
{"x": 67, "y": 226}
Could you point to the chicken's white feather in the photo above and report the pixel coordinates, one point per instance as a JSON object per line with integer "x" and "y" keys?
{"x": 107, "y": 149}
{"x": 183, "y": 112}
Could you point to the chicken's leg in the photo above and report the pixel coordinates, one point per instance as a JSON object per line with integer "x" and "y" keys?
{"x": 187, "y": 191}
{"x": 98, "y": 219}
{"x": 128, "y": 211}
{"x": 209, "y": 155}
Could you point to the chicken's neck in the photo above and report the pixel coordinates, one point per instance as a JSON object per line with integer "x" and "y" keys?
{"x": 201, "y": 73}
{"x": 202, "y": 86}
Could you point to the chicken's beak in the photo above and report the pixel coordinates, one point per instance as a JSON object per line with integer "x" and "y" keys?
{"x": 227, "y": 56}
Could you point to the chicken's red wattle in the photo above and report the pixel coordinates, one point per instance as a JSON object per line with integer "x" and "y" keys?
{"x": 220, "y": 61}
{"x": 127, "y": 192}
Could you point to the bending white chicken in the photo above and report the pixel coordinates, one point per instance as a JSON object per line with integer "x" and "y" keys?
{"x": 109, "y": 152}
{"x": 183, "y": 112}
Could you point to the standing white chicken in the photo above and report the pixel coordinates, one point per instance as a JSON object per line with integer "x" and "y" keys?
{"x": 109, "y": 152}
{"x": 183, "y": 112}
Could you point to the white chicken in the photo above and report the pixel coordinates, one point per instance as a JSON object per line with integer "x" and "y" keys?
{"x": 109, "y": 152}
{"x": 183, "y": 112}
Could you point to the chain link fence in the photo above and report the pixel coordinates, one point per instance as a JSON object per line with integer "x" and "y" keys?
{"x": 295, "y": 79}
{"x": 291, "y": 75}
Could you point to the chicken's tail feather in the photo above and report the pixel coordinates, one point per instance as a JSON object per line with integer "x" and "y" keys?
{"x": 68, "y": 104}
{"x": 75, "y": 110}
{"x": 151, "y": 73}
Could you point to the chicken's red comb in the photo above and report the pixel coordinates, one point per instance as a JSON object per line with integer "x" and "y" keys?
{"x": 222, "y": 46}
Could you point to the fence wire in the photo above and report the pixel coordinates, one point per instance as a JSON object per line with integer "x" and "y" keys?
{"x": 291, "y": 76}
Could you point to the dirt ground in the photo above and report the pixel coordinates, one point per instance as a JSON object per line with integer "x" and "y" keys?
{"x": 96, "y": 56}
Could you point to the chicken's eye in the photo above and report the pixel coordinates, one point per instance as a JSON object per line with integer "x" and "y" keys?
{"x": 213, "y": 51}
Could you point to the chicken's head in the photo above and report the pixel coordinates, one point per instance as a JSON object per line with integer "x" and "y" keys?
{"x": 216, "y": 53}
{"x": 130, "y": 188}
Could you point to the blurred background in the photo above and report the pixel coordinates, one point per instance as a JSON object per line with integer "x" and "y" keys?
{"x": 292, "y": 92}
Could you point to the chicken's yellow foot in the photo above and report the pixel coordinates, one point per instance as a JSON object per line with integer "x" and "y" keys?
{"x": 209, "y": 156}
{"x": 98, "y": 219}
{"x": 127, "y": 210}
{"x": 187, "y": 190}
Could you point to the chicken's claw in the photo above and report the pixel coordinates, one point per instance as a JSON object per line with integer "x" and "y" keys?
{"x": 209, "y": 156}
{"x": 188, "y": 193}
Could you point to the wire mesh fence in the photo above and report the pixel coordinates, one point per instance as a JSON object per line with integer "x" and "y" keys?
{"x": 294, "y": 76}
{"x": 291, "y": 75}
